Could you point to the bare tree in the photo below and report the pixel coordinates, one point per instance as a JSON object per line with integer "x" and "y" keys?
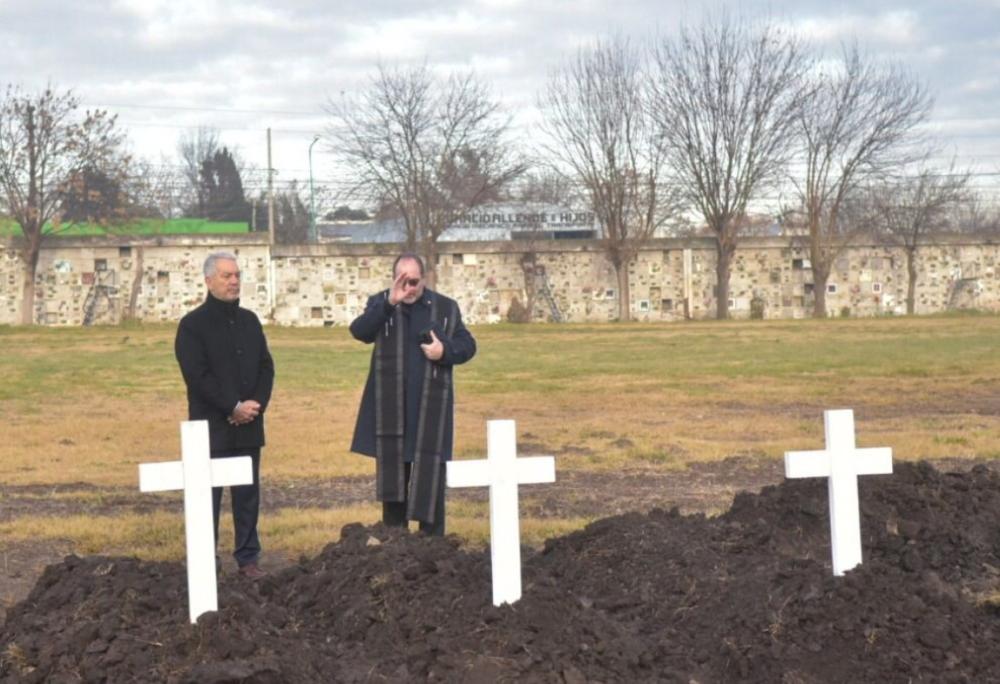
{"x": 854, "y": 131}
{"x": 601, "y": 138}
{"x": 153, "y": 186}
{"x": 426, "y": 149}
{"x": 976, "y": 214}
{"x": 543, "y": 186}
{"x": 908, "y": 208}
{"x": 193, "y": 148}
{"x": 726, "y": 98}
{"x": 291, "y": 214}
{"x": 44, "y": 145}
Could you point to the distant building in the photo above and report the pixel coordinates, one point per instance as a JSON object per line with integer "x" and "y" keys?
{"x": 759, "y": 225}
{"x": 391, "y": 230}
{"x": 522, "y": 222}
{"x": 489, "y": 223}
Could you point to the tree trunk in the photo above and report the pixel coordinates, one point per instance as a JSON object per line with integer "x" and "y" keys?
{"x": 30, "y": 256}
{"x": 911, "y": 285}
{"x": 819, "y": 300}
{"x": 133, "y": 297}
{"x": 28, "y": 296}
{"x": 723, "y": 265}
{"x": 819, "y": 262}
{"x": 820, "y": 276}
{"x": 624, "y": 295}
{"x": 430, "y": 264}
{"x": 528, "y": 268}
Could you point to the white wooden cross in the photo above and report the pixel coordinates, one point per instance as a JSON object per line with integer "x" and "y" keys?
{"x": 196, "y": 474}
{"x": 503, "y": 472}
{"x": 841, "y": 462}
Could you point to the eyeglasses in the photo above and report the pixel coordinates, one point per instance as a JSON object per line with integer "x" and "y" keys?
{"x": 411, "y": 282}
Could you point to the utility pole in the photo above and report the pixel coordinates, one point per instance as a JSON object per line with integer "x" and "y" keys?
{"x": 270, "y": 191}
{"x": 270, "y": 228}
{"x": 312, "y": 194}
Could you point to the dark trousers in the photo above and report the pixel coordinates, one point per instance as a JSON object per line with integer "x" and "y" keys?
{"x": 394, "y": 512}
{"x": 246, "y": 509}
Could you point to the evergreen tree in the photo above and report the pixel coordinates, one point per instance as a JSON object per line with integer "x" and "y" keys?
{"x": 222, "y": 189}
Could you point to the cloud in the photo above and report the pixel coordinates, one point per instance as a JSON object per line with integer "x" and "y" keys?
{"x": 896, "y": 29}
{"x": 184, "y": 63}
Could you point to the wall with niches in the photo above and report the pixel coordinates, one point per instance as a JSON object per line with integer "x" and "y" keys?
{"x": 96, "y": 279}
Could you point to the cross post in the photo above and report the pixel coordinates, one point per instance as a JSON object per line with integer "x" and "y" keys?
{"x": 841, "y": 463}
{"x": 502, "y": 471}
{"x": 196, "y": 473}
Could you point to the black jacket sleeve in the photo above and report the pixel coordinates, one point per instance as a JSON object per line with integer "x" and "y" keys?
{"x": 377, "y": 311}
{"x": 265, "y": 372}
{"x": 189, "y": 348}
{"x": 458, "y": 348}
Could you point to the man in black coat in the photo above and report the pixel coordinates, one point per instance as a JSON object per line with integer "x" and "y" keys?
{"x": 405, "y": 420}
{"x": 229, "y": 374}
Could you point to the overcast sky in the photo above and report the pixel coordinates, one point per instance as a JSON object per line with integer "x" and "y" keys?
{"x": 241, "y": 67}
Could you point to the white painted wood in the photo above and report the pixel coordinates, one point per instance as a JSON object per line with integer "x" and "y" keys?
{"x": 502, "y": 472}
{"x": 841, "y": 463}
{"x": 161, "y": 477}
{"x": 196, "y": 473}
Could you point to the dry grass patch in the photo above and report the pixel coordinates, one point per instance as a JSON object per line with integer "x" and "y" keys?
{"x": 160, "y": 535}
{"x": 88, "y": 405}
{"x": 308, "y": 437}
{"x": 470, "y": 520}
{"x": 288, "y": 532}
{"x": 154, "y": 536}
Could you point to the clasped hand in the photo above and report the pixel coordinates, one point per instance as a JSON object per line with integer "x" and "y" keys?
{"x": 245, "y": 412}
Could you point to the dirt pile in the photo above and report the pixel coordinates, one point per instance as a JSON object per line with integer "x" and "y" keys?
{"x": 744, "y": 596}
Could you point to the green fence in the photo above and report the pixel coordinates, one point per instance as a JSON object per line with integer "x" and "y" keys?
{"x": 141, "y": 227}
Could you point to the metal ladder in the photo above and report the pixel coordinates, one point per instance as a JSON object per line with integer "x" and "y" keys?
{"x": 97, "y": 291}
{"x": 542, "y": 284}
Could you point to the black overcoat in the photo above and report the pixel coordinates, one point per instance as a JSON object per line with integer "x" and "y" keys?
{"x": 224, "y": 359}
{"x": 458, "y": 349}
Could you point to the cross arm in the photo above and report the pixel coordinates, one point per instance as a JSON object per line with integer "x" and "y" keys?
{"x": 468, "y": 473}
{"x": 536, "y": 469}
{"x": 227, "y": 472}
{"x": 877, "y": 461}
{"x": 807, "y": 464}
{"x": 161, "y": 477}
{"x": 169, "y": 476}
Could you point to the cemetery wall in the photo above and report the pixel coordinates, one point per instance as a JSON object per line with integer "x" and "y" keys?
{"x": 100, "y": 280}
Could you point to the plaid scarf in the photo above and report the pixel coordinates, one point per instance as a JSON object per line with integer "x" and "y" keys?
{"x": 390, "y": 418}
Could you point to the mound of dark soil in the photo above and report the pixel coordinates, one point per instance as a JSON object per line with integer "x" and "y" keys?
{"x": 746, "y": 596}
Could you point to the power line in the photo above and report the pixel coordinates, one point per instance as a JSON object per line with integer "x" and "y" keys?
{"x": 224, "y": 110}
{"x": 149, "y": 124}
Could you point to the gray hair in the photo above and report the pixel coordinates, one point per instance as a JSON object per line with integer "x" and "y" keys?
{"x": 408, "y": 256}
{"x": 214, "y": 257}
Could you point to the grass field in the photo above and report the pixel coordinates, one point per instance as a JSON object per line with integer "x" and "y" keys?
{"x": 140, "y": 227}
{"x": 89, "y": 404}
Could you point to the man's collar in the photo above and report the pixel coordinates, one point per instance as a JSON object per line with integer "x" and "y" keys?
{"x": 215, "y": 302}
{"x": 425, "y": 299}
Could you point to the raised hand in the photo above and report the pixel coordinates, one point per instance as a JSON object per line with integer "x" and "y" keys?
{"x": 398, "y": 289}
